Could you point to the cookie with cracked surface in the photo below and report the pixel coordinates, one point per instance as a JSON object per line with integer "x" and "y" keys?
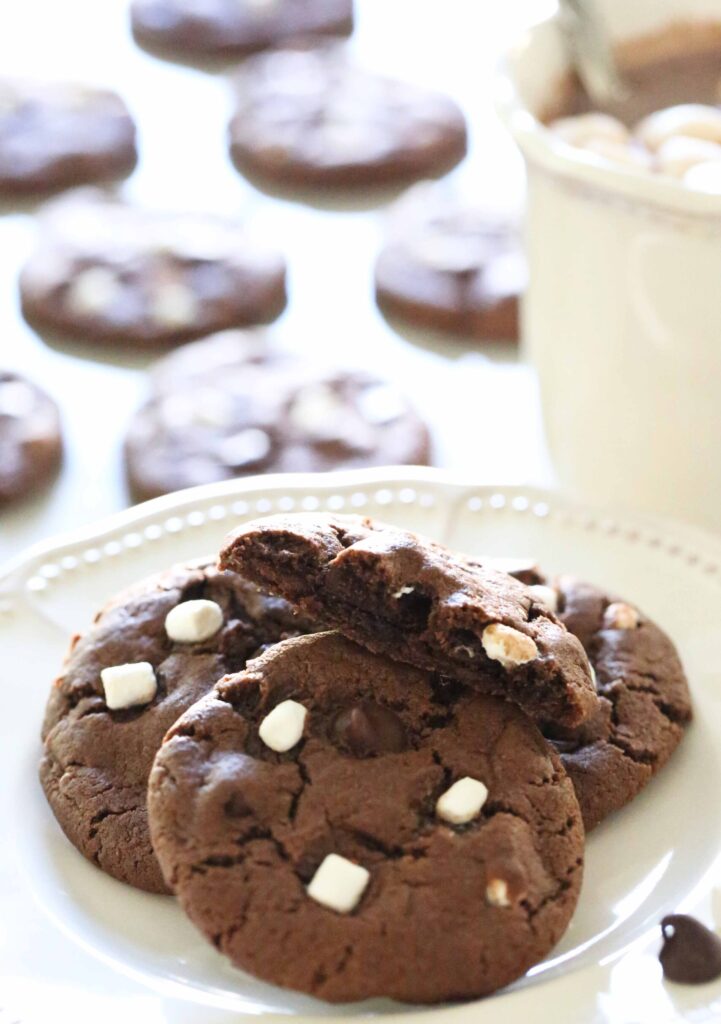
{"x": 450, "y": 266}
{"x": 31, "y": 445}
{"x": 233, "y": 28}
{"x": 345, "y": 825}
{"x": 311, "y": 118}
{"x": 226, "y": 407}
{"x": 56, "y": 135}
{"x": 149, "y": 655}
{"x": 107, "y": 272}
{"x": 414, "y": 600}
{"x": 644, "y": 699}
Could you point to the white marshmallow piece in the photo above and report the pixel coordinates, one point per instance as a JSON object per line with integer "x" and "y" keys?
{"x": 126, "y": 686}
{"x": 620, "y": 616}
{"x": 316, "y": 409}
{"x": 507, "y": 645}
{"x": 497, "y": 893}
{"x": 691, "y": 119}
{"x": 462, "y": 802}
{"x": 173, "y": 305}
{"x": 704, "y": 177}
{"x": 244, "y": 447}
{"x": 544, "y": 595}
{"x": 679, "y": 153}
{"x": 93, "y": 291}
{"x": 584, "y": 128}
{"x": 338, "y": 884}
{"x": 380, "y": 404}
{"x": 283, "y": 727}
{"x": 193, "y": 621}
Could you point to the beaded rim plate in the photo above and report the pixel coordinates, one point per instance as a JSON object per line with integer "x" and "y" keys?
{"x": 77, "y": 945}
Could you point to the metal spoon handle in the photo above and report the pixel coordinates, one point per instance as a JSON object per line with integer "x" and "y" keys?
{"x": 592, "y": 53}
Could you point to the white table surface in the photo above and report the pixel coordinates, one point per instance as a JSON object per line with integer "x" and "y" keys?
{"x": 481, "y": 402}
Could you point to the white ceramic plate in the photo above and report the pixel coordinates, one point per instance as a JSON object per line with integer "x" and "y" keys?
{"x": 76, "y": 945}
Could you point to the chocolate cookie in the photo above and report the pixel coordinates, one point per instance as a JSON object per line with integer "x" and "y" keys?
{"x": 227, "y": 407}
{"x": 107, "y": 272}
{"x": 150, "y": 654}
{"x": 349, "y": 826}
{"x": 401, "y": 595}
{"x": 30, "y": 437}
{"x": 644, "y": 704}
{"x": 55, "y": 135}
{"x": 233, "y": 28}
{"x": 449, "y": 266}
{"x": 312, "y": 118}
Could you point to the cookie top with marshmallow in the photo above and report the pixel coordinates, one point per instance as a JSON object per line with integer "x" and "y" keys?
{"x": 327, "y": 815}
{"x": 416, "y": 601}
{"x": 150, "y": 654}
{"x": 108, "y": 272}
{"x": 644, "y": 703}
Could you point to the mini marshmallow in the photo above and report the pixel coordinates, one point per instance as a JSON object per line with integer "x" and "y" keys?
{"x": 585, "y": 128}
{"x": 462, "y": 802}
{"x": 620, "y": 616}
{"x": 497, "y": 893}
{"x": 704, "y": 177}
{"x": 192, "y": 621}
{"x": 338, "y": 884}
{"x": 507, "y": 645}
{"x": 173, "y": 304}
{"x": 283, "y": 727}
{"x": 680, "y": 153}
{"x": 402, "y": 591}
{"x": 315, "y": 409}
{"x": 691, "y": 119}
{"x": 243, "y": 448}
{"x": 380, "y": 404}
{"x": 93, "y": 291}
{"x": 126, "y": 686}
{"x": 622, "y": 153}
{"x": 546, "y": 596}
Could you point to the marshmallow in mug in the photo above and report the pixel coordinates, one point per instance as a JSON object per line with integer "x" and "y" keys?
{"x": 672, "y": 142}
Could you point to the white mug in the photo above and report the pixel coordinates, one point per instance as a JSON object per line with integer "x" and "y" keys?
{"x": 622, "y": 318}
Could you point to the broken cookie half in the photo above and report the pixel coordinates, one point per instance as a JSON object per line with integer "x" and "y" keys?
{"x": 402, "y": 595}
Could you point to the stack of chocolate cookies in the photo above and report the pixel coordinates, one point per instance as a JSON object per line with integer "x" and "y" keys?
{"x": 372, "y": 776}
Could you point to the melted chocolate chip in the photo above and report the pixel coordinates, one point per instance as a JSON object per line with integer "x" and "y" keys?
{"x": 691, "y": 953}
{"x": 369, "y": 729}
{"x": 236, "y": 806}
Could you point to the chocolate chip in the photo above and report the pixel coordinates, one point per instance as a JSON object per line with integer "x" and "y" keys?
{"x": 236, "y": 806}
{"x": 691, "y": 953}
{"x": 369, "y": 729}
